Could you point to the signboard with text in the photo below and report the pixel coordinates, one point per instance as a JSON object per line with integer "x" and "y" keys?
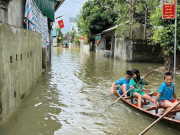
{"x": 169, "y": 9}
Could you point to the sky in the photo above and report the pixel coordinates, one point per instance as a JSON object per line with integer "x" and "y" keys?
{"x": 69, "y": 8}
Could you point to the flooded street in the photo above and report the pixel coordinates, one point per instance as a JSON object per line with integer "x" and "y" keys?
{"x": 72, "y": 98}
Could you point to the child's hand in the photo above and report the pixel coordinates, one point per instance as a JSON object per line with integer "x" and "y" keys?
{"x": 144, "y": 78}
{"x": 112, "y": 91}
{"x": 131, "y": 87}
{"x": 156, "y": 105}
{"x": 146, "y": 82}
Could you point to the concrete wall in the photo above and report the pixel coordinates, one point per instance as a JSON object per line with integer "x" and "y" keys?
{"x": 16, "y": 13}
{"x": 12, "y": 12}
{"x": 21, "y": 65}
{"x": 142, "y": 51}
{"x": 3, "y": 11}
{"x": 131, "y": 47}
{"x": 44, "y": 59}
{"x": 102, "y": 44}
{"x": 138, "y": 32}
{"x": 137, "y": 51}
{"x": 123, "y": 49}
{"x": 54, "y": 41}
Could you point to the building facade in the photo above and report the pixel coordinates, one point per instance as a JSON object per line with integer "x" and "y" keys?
{"x": 23, "y": 57}
{"x": 132, "y": 48}
{"x": 73, "y": 25}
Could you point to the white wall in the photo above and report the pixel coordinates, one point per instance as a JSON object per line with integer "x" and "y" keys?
{"x": 54, "y": 41}
{"x": 73, "y": 24}
{"x": 123, "y": 49}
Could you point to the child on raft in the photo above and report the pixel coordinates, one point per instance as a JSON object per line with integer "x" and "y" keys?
{"x": 137, "y": 89}
{"x": 166, "y": 96}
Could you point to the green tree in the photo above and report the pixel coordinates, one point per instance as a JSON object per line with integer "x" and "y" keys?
{"x": 95, "y": 18}
{"x": 144, "y": 8}
{"x": 131, "y": 13}
{"x": 77, "y": 39}
{"x": 66, "y": 36}
{"x": 127, "y": 14}
{"x": 59, "y": 35}
{"x": 164, "y": 30}
{"x": 72, "y": 35}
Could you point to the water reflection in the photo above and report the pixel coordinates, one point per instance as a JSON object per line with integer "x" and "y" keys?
{"x": 73, "y": 98}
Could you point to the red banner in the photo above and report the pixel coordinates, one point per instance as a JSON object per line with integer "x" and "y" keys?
{"x": 169, "y": 9}
{"x": 61, "y": 24}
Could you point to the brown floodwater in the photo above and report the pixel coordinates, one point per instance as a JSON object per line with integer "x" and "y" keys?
{"x": 72, "y": 98}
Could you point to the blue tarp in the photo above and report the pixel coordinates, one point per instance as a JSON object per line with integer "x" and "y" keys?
{"x": 53, "y": 32}
{"x": 36, "y": 21}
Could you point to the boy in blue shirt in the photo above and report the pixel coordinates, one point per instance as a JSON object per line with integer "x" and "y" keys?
{"x": 123, "y": 84}
{"x": 166, "y": 96}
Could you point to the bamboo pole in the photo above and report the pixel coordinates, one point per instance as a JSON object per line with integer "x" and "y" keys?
{"x": 150, "y": 126}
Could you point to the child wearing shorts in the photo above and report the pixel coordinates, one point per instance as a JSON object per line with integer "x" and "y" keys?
{"x": 166, "y": 95}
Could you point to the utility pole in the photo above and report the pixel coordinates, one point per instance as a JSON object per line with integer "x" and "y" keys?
{"x": 175, "y": 39}
{"x": 170, "y": 12}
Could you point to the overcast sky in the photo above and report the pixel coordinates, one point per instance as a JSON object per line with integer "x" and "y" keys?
{"x": 69, "y": 8}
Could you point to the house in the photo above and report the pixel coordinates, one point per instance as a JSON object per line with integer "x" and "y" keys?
{"x": 73, "y": 25}
{"x": 24, "y": 47}
{"x": 131, "y": 47}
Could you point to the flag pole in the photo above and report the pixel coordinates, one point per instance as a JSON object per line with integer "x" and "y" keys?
{"x": 175, "y": 38}
{"x": 59, "y": 16}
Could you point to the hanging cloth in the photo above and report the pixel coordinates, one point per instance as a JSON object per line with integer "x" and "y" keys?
{"x": 36, "y": 21}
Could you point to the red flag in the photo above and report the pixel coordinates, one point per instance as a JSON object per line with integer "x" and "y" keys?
{"x": 61, "y": 24}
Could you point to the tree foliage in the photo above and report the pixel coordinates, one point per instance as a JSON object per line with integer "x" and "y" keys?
{"x": 66, "y": 36}
{"x": 131, "y": 13}
{"x": 95, "y": 18}
{"x": 164, "y": 30}
{"x": 98, "y": 15}
{"x": 59, "y": 35}
{"x": 72, "y": 35}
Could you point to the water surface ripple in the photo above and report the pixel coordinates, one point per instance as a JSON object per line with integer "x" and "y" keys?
{"x": 72, "y": 98}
